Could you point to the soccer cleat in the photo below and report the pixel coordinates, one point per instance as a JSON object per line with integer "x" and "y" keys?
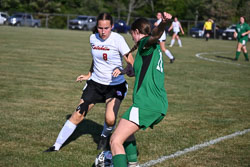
{"x": 170, "y": 46}
{"x": 51, "y": 149}
{"x": 103, "y": 143}
{"x": 235, "y": 59}
{"x": 172, "y": 60}
{"x": 247, "y": 60}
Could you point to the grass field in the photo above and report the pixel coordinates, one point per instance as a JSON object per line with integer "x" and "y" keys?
{"x": 38, "y": 92}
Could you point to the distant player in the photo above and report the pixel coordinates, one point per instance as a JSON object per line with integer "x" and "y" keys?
{"x": 241, "y": 33}
{"x": 207, "y": 28}
{"x": 176, "y": 26}
{"x": 162, "y": 40}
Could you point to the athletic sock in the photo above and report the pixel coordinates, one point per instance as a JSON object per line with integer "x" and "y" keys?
{"x": 120, "y": 160}
{"x": 107, "y": 130}
{"x": 179, "y": 42}
{"x": 246, "y": 56}
{"x": 237, "y": 55}
{"x": 64, "y": 134}
{"x": 169, "y": 54}
{"x": 131, "y": 151}
{"x": 172, "y": 42}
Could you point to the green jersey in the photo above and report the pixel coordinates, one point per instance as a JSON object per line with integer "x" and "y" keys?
{"x": 149, "y": 92}
{"x": 240, "y": 29}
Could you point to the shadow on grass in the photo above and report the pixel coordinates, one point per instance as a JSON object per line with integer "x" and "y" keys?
{"x": 223, "y": 57}
{"x": 85, "y": 127}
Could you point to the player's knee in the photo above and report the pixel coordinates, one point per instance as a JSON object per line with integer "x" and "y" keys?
{"x": 110, "y": 121}
{"x": 76, "y": 118}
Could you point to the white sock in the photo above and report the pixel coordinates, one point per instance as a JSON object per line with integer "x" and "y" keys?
{"x": 107, "y": 130}
{"x": 179, "y": 41}
{"x": 170, "y": 56}
{"x": 64, "y": 134}
{"x": 172, "y": 42}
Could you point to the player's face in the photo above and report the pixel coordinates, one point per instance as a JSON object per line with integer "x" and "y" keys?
{"x": 242, "y": 20}
{"x": 158, "y": 16}
{"x": 104, "y": 28}
{"x": 135, "y": 35}
{"x": 175, "y": 19}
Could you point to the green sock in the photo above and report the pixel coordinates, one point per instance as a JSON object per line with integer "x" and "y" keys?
{"x": 237, "y": 55}
{"x": 246, "y": 56}
{"x": 120, "y": 160}
{"x": 131, "y": 151}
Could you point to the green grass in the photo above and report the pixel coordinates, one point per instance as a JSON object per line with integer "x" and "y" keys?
{"x": 38, "y": 92}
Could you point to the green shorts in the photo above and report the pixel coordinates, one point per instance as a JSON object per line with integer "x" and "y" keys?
{"x": 243, "y": 41}
{"x": 142, "y": 117}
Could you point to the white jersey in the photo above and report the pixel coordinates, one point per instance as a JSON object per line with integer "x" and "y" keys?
{"x": 107, "y": 55}
{"x": 163, "y": 36}
{"x": 176, "y": 26}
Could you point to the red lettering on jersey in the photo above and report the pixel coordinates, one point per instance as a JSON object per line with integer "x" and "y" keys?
{"x": 100, "y": 47}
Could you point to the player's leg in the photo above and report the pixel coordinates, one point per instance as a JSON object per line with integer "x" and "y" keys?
{"x": 124, "y": 129}
{"x": 167, "y": 52}
{"x": 70, "y": 125}
{"x": 115, "y": 94}
{"x": 244, "y": 48}
{"x": 112, "y": 107}
{"x": 172, "y": 40}
{"x": 238, "y": 50}
{"x": 131, "y": 151}
{"x": 179, "y": 40}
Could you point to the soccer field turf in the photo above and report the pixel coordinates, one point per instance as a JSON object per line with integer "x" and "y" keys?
{"x": 208, "y": 94}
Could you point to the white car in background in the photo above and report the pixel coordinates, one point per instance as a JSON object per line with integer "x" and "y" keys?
{"x": 3, "y": 17}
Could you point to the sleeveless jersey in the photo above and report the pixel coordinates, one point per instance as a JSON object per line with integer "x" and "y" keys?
{"x": 107, "y": 55}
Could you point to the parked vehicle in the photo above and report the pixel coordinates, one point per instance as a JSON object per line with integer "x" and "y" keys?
{"x": 83, "y": 23}
{"x": 3, "y": 17}
{"x": 229, "y": 32}
{"x": 24, "y": 19}
{"x": 197, "y": 31}
{"x": 120, "y": 26}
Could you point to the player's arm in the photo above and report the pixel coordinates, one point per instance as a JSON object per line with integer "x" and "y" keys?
{"x": 181, "y": 28}
{"x": 128, "y": 69}
{"x": 158, "y": 31}
{"x": 81, "y": 78}
{"x": 246, "y": 33}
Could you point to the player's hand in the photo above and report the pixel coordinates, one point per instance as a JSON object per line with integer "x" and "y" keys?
{"x": 167, "y": 16}
{"x": 130, "y": 70}
{"x": 116, "y": 72}
{"x": 81, "y": 78}
{"x": 243, "y": 34}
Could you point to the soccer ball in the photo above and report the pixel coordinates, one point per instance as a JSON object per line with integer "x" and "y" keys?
{"x": 104, "y": 159}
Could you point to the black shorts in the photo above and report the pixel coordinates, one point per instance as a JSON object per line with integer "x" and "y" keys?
{"x": 94, "y": 92}
{"x": 208, "y": 32}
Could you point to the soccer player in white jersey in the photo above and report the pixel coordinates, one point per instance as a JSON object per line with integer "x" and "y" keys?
{"x": 176, "y": 26}
{"x": 162, "y": 40}
{"x": 104, "y": 83}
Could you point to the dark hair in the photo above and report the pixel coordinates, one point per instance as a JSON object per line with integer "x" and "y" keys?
{"x": 102, "y": 16}
{"x": 143, "y": 25}
{"x": 243, "y": 18}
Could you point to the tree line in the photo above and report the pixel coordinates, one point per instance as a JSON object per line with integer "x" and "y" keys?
{"x": 223, "y": 12}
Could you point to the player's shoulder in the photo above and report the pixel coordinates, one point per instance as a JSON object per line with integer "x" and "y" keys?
{"x": 116, "y": 35}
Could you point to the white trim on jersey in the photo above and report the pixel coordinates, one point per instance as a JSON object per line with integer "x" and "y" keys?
{"x": 107, "y": 56}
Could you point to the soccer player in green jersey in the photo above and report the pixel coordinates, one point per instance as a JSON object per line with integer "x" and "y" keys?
{"x": 149, "y": 95}
{"x": 241, "y": 33}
